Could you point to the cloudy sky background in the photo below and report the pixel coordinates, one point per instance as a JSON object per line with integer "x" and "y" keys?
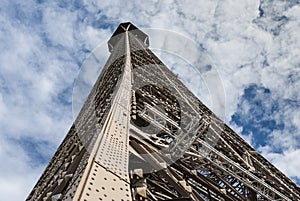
{"x": 255, "y": 46}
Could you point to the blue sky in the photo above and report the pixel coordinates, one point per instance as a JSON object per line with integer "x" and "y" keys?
{"x": 255, "y": 47}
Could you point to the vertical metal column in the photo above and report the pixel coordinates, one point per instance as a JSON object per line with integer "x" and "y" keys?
{"x": 106, "y": 177}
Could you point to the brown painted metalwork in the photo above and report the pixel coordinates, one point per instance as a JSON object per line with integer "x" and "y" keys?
{"x": 142, "y": 135}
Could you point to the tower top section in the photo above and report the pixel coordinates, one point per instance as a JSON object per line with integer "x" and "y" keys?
{"x": 123, "y": 27}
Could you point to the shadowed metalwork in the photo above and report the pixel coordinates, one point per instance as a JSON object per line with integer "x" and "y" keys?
{"x": 142, "y": 135}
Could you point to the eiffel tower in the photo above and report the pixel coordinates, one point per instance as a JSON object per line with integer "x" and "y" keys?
{"x": 142, "y": 135}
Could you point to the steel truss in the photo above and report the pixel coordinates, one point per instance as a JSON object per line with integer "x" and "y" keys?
{"x": 143, "y": 136}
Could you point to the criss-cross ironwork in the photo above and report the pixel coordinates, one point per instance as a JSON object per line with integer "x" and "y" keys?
{"x": 142, "y": 135}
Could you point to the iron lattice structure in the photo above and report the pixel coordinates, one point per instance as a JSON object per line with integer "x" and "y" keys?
{"x": 142, "y": 135}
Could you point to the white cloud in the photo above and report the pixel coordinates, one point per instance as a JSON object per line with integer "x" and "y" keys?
{"x": 16, "y": 175}
{"x": 33, "y": 75}
{"x": 59, "y": 25}
{"x": 288, "y": 161}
